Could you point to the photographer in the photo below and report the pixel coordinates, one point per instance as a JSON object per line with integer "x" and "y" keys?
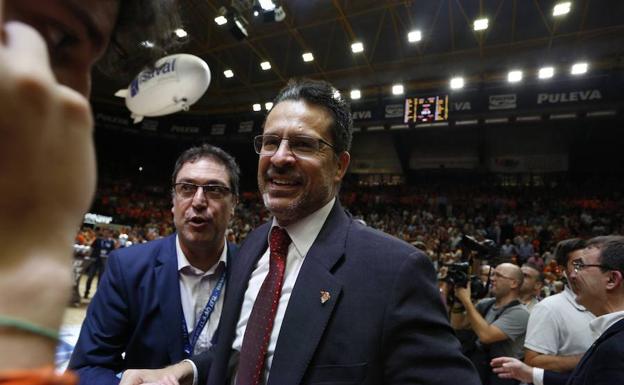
{"x": 499, "y": 323}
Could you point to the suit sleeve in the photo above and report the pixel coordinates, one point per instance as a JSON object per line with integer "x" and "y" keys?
{"x": 202, "y": 363}
{"x": 97, "y": 357}
{"x": 604, "y": 366}
{"x": 419, "y": 344}
{"x": 555, "y": 378}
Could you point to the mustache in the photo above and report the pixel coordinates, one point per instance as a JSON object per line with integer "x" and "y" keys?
{"x": 192, "y": 218}
{"x": 287, "y": 172}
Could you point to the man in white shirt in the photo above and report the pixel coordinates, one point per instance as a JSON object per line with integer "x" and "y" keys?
{"x": 352, "y": 304}
{"x": 558, "y": 332}
{"x": 598, "y": 276}
{"x": 160, "y": 302}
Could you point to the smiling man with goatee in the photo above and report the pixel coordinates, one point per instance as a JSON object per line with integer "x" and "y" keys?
{"x": 314, "y": 296}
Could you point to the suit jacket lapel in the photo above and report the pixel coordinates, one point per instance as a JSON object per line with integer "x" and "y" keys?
{"x": 168, "y": 289}
{"x": 307, "y": 315}
{"x": 614, "y": 329}
{"x": 241, "y": 268}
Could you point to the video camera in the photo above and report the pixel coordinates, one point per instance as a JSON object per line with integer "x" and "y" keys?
{"x": 459, "y": 273}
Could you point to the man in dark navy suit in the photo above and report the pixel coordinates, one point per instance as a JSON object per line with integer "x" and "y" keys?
{"x": 599, "y": 277}
{"x": 160, "y": 302}
{"x": 315, "y": 296}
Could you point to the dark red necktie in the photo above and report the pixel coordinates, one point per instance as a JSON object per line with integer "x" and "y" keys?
{"x": 260, "y": 324}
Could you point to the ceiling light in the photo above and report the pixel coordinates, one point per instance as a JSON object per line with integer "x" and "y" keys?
{"x": 180, "y": 33}
{"x": 414, "y": 36}
{"x": 268, "y": 105}
{"x": 357, "y": 47}
{"x": 220, "y": 20}
{"x": 457, "y": 83}
{"x": 480, "y": 24}
{"x": 257, "y": 107}
{"x": 265, "y": 65}
{"x": 356, "y": 94}
{"x": 562, "y": 8}
{"x": 546, "y": 72}
{"x": 228, "y": 73}
{"x": 307, "y": 57}
{"x": 514, "y": 76}
{"x": 397, "y": 89}
{"x": 267, "y": 5}
{"x": 579, "y": 68}
{"x": 147, "y": 44}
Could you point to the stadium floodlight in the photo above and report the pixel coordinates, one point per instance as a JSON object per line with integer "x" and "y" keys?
{"x": 257, "y": 107}
{"x": 457, "y": 83}
{"x": 267, "y": 5}
{"x": 579, "y": 68}
{"x": 481, "y": 24}
{"x": 265, "y": 65}
{"x": 307, "y": 56}
{"x": 356, "y": 94}
{"x": 180, "y": 33}
{"x": 397, "y": 89}
{"x": 228, "y": 73}
{"x": 357, "y": 47}
{"x": 220, "y": 20}
{"x": 546, "y": 72}
{"x": 268, "y": 105}
{"x": 514, "y": 76}
{"x": 414, "y": 36}
{"x": 562, "y": 8}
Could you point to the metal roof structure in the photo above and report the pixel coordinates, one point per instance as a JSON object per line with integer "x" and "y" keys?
{"x": 522, "y": 34}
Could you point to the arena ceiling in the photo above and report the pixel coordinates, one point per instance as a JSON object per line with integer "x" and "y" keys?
{"x": 521, "y": 34}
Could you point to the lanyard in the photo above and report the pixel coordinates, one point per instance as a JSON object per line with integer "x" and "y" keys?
{"x": 189, "y": 343}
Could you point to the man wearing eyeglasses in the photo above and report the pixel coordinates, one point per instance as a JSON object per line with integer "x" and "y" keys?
{"x": 558, "y": 332}
{"x": 161, "y": 301}
{"x": 499, "y": 323}
{"x": 599, "y": 279}
{"x": 316, "y": 297}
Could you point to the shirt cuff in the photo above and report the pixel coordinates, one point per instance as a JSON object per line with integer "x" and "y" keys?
{"x": 538, "y": 376}
{"x": 195, "y": 370}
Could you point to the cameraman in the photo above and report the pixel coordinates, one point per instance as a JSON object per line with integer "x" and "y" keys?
{"x": 499, "y": 323}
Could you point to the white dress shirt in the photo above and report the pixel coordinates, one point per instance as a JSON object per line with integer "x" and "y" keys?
{"x": 195, "y": 289}
{"x": 604, "y": 322}
{"x": 302, "y": 233}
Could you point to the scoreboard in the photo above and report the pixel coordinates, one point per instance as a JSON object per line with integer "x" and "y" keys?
{"x": 426, "y": 109}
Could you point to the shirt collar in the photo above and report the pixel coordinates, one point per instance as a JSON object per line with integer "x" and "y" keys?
{"x": 304, "y": 231}
{"x": 600, "y": 324}
{"x": 184, "y": 266}
{"x": 571, "y": 297}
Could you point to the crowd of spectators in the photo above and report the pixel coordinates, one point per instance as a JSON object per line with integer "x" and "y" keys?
{"x": 524, "y": 222}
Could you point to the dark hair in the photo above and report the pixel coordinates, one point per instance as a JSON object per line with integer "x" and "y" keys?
{"x": 533, "y": 266}
{"x": 196, "y": 153}
{"x": 565, "y": 247}
{"x": 323, "y": 94}
{"x": 599, "y": 241}
{"x": 139, "y": 21}
{"x": 611, "y": 250}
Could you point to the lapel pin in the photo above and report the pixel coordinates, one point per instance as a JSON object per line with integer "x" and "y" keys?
{"x": 325, "y": 296}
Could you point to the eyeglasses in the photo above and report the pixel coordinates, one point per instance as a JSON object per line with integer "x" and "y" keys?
{"x": 187, "y": 190}
{"x": 300, "y": 145}
{"x": 580, "y": 265}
